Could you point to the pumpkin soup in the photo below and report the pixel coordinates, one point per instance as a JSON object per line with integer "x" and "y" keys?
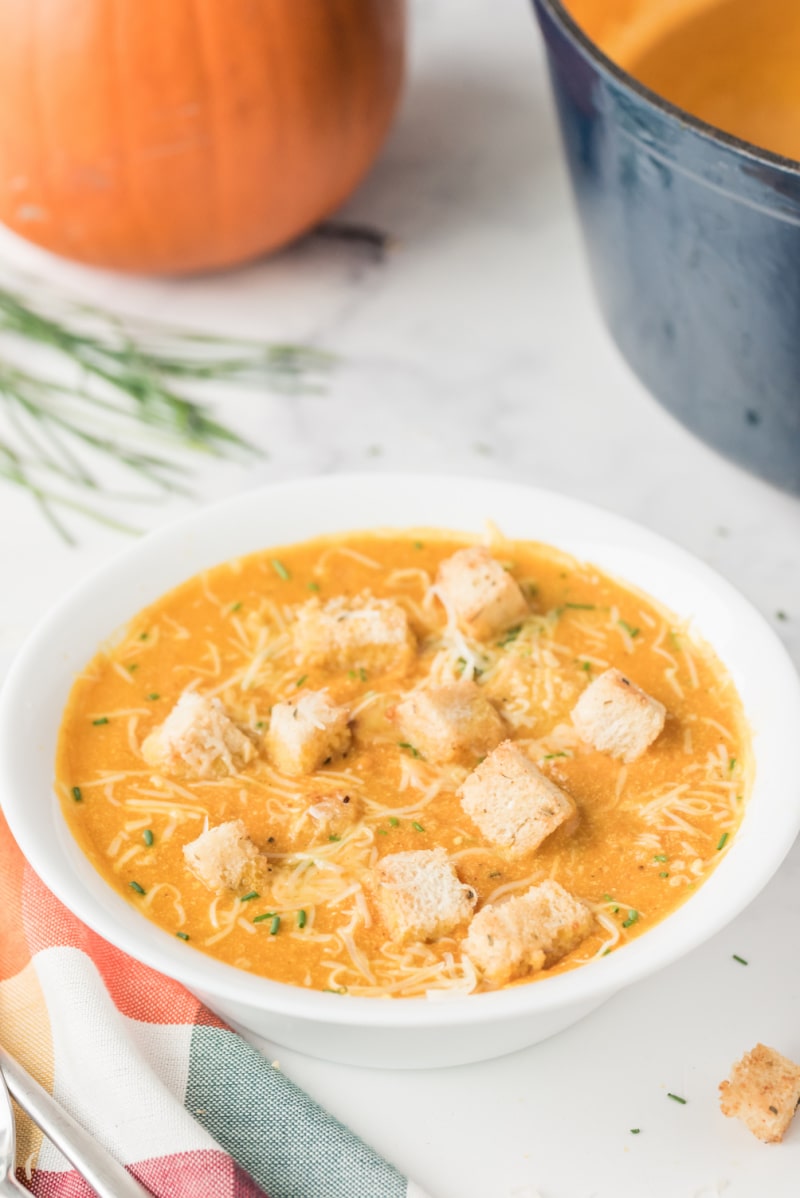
{"x": 732, "y": 63}
{"x": 404, "y": 764}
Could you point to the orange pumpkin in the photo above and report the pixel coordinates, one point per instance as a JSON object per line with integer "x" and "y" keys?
{"x": 170, "y": 136}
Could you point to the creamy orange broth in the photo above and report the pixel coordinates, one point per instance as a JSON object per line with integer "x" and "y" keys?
{"x": 733, "y": 63}
{"x": 649, "y": 832}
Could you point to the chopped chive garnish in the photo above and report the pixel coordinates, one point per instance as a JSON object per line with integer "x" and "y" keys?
{"x": 341, "y": 990}
{"x": 738, "y": 798}
{"x": 781, "y": 615}
{"x": 605, "y": 952}
{"x": 461, "y": 662}
{"x": 495, "y": 874}
{"x": 259, "y": 723}
{"x": 102, "y": 720}
{"x": 276, "y": 923}
{"x": 403, "y": 744}
{"x": 313, "y": 586}
{"x": 635, "y": 1131}
{"x": 732, "y": 764}
{"x": 417, "y": 826}
{"x": 608, "y": 898}
{"x": 251, "y": 894}
{"x": 510, "y": 636}
{"x": 677, "y": 1098}
{"x": 550, "y": 756}
{"x": 143, "y": 636}
{"x": 153, "y": 696}
{"x": 301, "y": 919}
{"x": 139, "y": 889}
{"x": 662, "y": 857}
{"x": 722, "y": 841}
{"x": 236, "y": 606}
{"x": 629, "y": 628}
{"x": 76, "y": 794}
{"x": 264, "y": 915}
{"x": 419, "y": 545}
{"x": 134, "y": 665}
{"x": 582, "y": 606}
{"x": 280, "y": 569}
{"x": 148, "y": 837}
{"x": 182, "y": 935}
{"x": 303, "y": 678}
{"x": 664, "y": 873}
{"x": 333, "y": 836}
{"x": 394, "y": 821}
{"x": 632, "y": 918}
{"x": 382, "y": 832}
{"x": 586, "y": 665}
{"x": 362, "y": 673}
{"x": 741, "y": 960}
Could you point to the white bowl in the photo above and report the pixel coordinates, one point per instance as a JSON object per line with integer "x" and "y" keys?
{"x": 411, "y": 1033}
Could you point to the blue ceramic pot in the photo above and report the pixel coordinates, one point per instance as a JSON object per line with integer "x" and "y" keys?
{"x": 694, "y": 244}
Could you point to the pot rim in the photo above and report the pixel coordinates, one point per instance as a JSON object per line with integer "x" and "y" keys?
{"x": 606, "y": 66}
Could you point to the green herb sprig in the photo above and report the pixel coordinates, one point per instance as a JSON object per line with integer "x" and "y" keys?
{"x": 81, "y": 388}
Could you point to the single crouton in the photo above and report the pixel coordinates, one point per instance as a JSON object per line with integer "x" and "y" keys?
{"x": 514, "y": 805}
{"x": 329, "y": 816}
{"x": 420, "y": 896}
{"x": 483, "y": 596}
{"x": 221, "y": 856}
{"x": 306, "y": 732}
{"x": 763, "y": 1091}
{"x": 198, "y": 739}
{"x": 617, "y": 717}
{"x": 353, "y": 633}
{"x": 447, "y": 722}
{"x": 527, "y": 933}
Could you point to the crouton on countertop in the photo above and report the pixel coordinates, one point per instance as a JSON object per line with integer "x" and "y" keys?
{"x": 447, "y": 722}
{"x": 221, "y": 856}
{"x": 198, "y": 739}
{"x": 306, "y": 732}
{"x": 330, "y": 815}
{"x": 616, "y": 716}
{"x": 353, "y": 633}
{"x": 514, "y": 805}
{"x": 419, "y": 895}
{"x": 483, "y": 596}
{"x": 763, "y": 1091}
{"x": 529, "y": 932}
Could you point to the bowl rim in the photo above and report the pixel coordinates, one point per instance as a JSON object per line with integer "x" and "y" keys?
{"x": 608, "y": 67}
{"x": 667, "y": 941}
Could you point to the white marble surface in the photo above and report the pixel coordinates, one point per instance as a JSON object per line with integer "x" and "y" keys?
{"x": 476, "y": 347}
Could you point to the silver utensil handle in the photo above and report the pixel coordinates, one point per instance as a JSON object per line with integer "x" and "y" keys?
{"x": 105, "y": 1175}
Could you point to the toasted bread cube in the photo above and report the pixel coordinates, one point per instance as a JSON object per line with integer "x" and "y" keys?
{"x": 514, "y": 805}
{"x": 419, "y": 895}
{"x": 447, "y": 722}
{"x": 529, "y": 932}
{"x": 353, "y": 633}
{"x": 330, "y": 816}
{"x": 615, "y": 716}
{"x": 221, "y": 856}
{"x": 763, "y": 1091}
{"x": 483, "y": 596}
{"x": 304, "y": 733}
{"x": 198, "y": 739}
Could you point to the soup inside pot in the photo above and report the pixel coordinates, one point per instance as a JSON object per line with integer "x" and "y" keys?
{"x": 732, "y": 63}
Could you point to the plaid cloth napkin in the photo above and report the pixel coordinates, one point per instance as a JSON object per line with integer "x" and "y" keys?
{"x": 187, "y": 1105}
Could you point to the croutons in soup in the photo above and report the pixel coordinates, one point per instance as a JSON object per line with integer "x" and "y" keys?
{"x": 397, "y": 764}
